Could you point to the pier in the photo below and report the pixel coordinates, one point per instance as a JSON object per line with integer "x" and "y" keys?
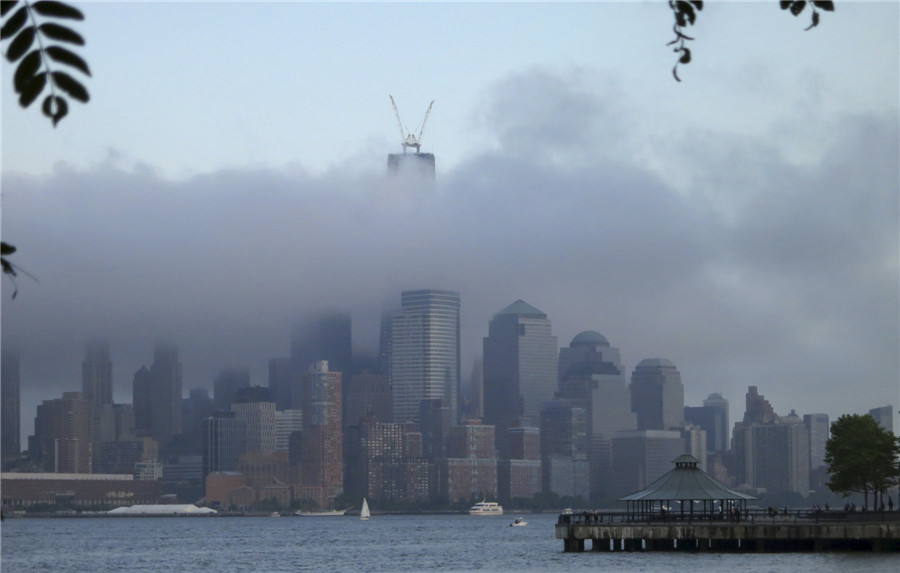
{"x": 758, "y": 531}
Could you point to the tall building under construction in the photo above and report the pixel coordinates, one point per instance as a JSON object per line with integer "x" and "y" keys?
{"x": 413, "y": 164}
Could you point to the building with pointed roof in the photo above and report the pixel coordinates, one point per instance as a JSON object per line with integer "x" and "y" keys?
{"x": 520, "y": 363}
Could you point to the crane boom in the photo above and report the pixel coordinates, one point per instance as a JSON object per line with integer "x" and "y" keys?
{"x": 408, "y": 139}
{"x": 424, "y": 121}
{"x": 399, "y": 123}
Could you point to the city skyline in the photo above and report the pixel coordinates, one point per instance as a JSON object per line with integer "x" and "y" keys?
{"x": 741, "y": 223}
{"x": 244, "y": 380}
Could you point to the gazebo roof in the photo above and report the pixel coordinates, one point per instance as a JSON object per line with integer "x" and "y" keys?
{"x": 686, "y": 482}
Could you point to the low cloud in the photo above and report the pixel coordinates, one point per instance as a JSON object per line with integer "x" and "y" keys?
{"x": 760, "y": 270}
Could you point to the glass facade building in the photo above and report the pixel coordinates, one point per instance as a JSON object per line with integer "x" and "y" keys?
{"x": 425, "y": 352}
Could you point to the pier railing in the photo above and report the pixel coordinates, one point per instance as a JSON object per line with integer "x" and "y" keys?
{"x": 753, "y": 516}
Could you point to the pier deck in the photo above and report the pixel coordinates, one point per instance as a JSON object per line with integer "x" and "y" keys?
{"x": 756, "y": 532}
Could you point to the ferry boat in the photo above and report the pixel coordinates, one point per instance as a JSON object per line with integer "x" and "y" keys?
{"x": 486, "y": 508}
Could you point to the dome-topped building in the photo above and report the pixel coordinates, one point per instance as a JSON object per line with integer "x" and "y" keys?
{"x": 589, "y": 338}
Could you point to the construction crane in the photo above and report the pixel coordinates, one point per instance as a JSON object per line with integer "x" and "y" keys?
{"x": 407, "y": 139}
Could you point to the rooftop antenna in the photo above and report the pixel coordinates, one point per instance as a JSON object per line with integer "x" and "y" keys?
{"x": 407, "y": 139}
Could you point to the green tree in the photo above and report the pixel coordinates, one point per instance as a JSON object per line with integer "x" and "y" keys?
{"x": 862, "y": 457}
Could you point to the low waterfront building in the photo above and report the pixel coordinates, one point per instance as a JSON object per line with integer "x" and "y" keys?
{"x": 21, "y": 490}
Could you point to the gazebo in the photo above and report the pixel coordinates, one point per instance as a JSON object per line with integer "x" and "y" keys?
{"x": 686, "y": 485}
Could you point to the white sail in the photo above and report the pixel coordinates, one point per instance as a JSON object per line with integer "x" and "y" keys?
{"x": 364, "y": 512}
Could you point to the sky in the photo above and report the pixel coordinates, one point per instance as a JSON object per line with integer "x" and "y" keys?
{"x": 228, "y": 177}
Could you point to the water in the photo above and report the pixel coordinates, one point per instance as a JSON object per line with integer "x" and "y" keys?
{"x": 454, "y": 543}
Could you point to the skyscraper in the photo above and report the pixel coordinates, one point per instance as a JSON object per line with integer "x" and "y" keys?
{"x": 10, "y": 404}
{"x": 718, "y": 438}
{"x": 223, "y": 442}
{"x": 62, "y": 434}
{"x": 520, "y": 368}
{"x": 425, "y": 352}
{"x": 96, "y": 373}
{"x": 227, "y": 384}
{"x": 96, "y": 386}
{"x": 325, "y": 336}
{"x": 284, "y": 384}
{"x": 157, "y": 396}
{"x": 322, "y": 438}
{"x": 591, "y": 375}
{"x": 712, "y": 417}
{"x": 884, "y": 416}
{"x": 255, "y": 407}
{"x": 657, "y": 395}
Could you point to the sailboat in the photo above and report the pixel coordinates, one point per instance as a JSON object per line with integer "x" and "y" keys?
{"x": 364, "y": 512}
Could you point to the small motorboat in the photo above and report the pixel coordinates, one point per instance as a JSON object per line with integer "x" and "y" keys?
{"x": 519, "y": 522}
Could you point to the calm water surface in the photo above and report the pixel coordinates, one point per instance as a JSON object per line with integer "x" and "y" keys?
{"x": 394, "y": 543}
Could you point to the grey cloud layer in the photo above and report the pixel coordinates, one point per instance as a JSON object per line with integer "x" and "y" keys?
{"x": 763, "y": 271}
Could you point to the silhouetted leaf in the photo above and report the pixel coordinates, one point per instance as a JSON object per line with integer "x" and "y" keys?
{"x": 675, "y": 73}
{"x": 33, "y": 89}
{"x": 55, "y": 108}
{"x": 698, "y": 4}
{"x": 64, "y": 56}
{"x": 815, "y": 21}
{"x": 685, "y": 8}
{"x": 71, "y": 86}
{"x": 6, "y": 249}
{"x": 14, "y": 24}
{"x": 28, "y": 67}
{"x": 6, "y": 6}
{"x": 57, "y": 9}
{"x": 798, "y": 7}
{"x": 826, "y": 5}
{"x": 20, "y": 44}
{"x": 61, "y": 33}
{"x": 685, "y": 56}
{"x": 8, "y": 268}
{"x": 785, "y": 4}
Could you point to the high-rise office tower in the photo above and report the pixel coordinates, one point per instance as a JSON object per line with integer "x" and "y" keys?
{"x": 255, "y": 407}
{"x": 223, "y": 442}
{"x": 520, "y": 363}
{"x": 62, "y": 434}
{"x": 325, "y": 336}
{"x": 368, "y": 397}
{"x": 771, "y": 452}
{"x": 96, "y": 386}
{"x": 712, "y": 417}
{"x": 286, "y": 423}
{"x": 425, "y": 352}
{"x": 227, "y": 384}
{"x": 564, "y": 449}
{"x": 10, "y": 404}
{"x": 657, "y": 395}
{"x": 157, "y": 396}
{"x": 819, "y": 429}
{"x": 322, "y": 438}
{"x": 195, "y": 409}
{"x": 640, "y": 457}
{"x": 884, "y": 416}
{"x": 591, "y": 375}
{"x": 284, "y": 383}
{"x": 96, "y": 373}
{"x": 718, "y": 438}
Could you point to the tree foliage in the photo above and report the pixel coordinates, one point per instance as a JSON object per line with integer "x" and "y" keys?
{"x": 685, "y": 13}
{"x": 41, "y": 46}
{"x": 862, "y": 457}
